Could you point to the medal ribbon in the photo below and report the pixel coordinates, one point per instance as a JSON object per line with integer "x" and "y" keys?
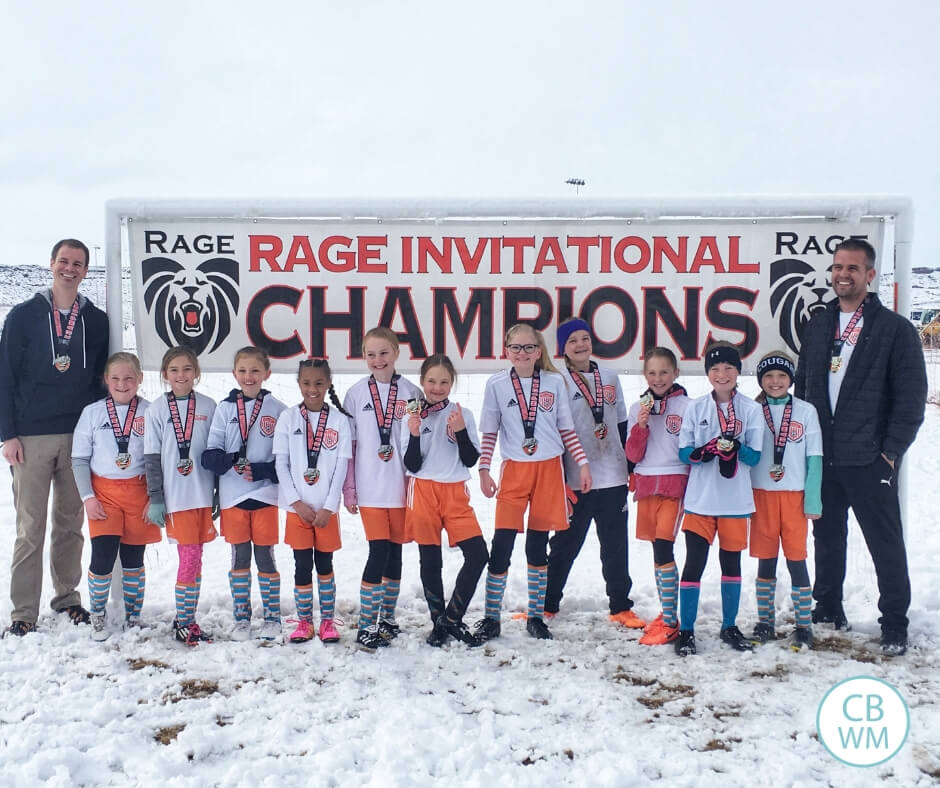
{"x": 314, "y": 440}
{"x": 384, "y": 420}
{"x": 184, "y": 436}
{"x": 243, "y": 427}
{"x": 838, "y": 341}
{"x": 596, "y": 405}
{"x": 780, "y": 440}
{"x": 726, "y": 425}
{"x": 530, "y": 411}
{"x": 122, "y": 433}
{"x": 63, "y": 339}
{"x": 427, "y": 409}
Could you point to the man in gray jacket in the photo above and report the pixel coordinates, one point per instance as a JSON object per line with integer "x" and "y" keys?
{"x": 862, "y": 367}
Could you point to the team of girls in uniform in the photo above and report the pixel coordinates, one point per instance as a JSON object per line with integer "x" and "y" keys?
{"x": 375, "y": 483}
{"x": 720, "y": 431}
{"x": 439, "y": 443}
{"x": 599, "y": 414}
{"x": 109, "y": 469}
{"x": 787, "y": 485}
{"x": 527, "y": 407}
{"x": 659, "y": 481}
{"x": 312, "y": 447}
{"x": 241, "y": 453}
{"x": 176, "y": 433}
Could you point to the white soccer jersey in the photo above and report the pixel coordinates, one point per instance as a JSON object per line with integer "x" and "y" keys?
{"x": 94, "y": 437}
{"x": 708, "y": 492}
{"x": 290, "y": 454}
{"x": 225, "y": 434}
{"x": 606, "y": 456}
{"x": 662, "y": 445}
{"x": 501, "y": 414}
{"x": 848, "y": 348}
{"x": 379, "y": 484}
{"x": 440, "y": 458}
{"x": 805, "y": 440}
{"x": 193, "y": 491}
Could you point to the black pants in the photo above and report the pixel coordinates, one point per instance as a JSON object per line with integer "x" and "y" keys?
{"x": 872, "y": 493}
{"x": 607, "y": 508}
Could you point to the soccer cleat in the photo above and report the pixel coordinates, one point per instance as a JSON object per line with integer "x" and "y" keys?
{"x": 459, "y": 631}
{"x": 439, "y": 634}
{"x": 822, "y": 614}
{"x": 99, "y": 632}
{"x": 302, "y": 633}
{"x": 19, "y": 629}
{"x": 189, "y": 634}
{"x": 656, "y": 623}
{"x": 801, "y": 639}
{"x": 893, "y": 642}
{"x": 370, "y": 640}
{"x": 241, "y": 630}
{"x": 537, "y": 628}
{"x": 328, "y": 633}
{"x": 659, "y": 636}
{"x": 270, "y": 630}
{"x": 685, "y": 643}
{"x": 131, "y": 623}
{"x": 763, "y": 633}
{"x": 77, "y": 614}
{"x": 733, "y": 637}
{"x": 486, "y": 629}
{"x": 628, "y": 619}
{"x": 389, "y": 629}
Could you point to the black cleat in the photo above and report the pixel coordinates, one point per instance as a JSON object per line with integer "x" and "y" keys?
{"x": 389, "y": 629}
{"x": 370, "y": 640}
{"x": 459, "y": 631}
{"x": 763, "y": 633}
{"x": 801, "y": 639}
{"x": 685, "y": 643}
{"x": 189, "y": 634}
{"x": 19, "y": 629}
{"x": 893, "y": 642}
{"x": 439, "y": 634}
{"x": 486, "y": 629}
{"x": 733, "y": 637}
{"x": 535, "y": 626}
{"x": 822, "y": 614}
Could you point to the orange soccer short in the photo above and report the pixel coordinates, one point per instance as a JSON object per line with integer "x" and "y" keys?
{"x": 538, "y": 486}
{"x": 658, "y": 517}
{"x": 254, "y": 525}
{"x": 385, "y": 524}
{"x": 125, "y": 502}
{"x": 303, "y": 536}
{"x": 191, "y": 526}
{"x": 778, "y": 520}
{"x": 732, "y": 531}
{"x": 435, "y": 505}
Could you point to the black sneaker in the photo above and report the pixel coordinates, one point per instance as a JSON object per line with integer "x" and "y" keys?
{"x": 893, "y": 642}
{"x": 801, "y": 639}
{"x": 389, "y": 629}
{"x": 823, "y": 614}
{"x": 763, "y": 633}
{"x": 439, "y": 634}
{"x": 189, "y": 634}
{"x": 535, "y": 626}
{"x": 486, "y": 629}
{"x": 77, "y": 614}
{"x": 370, "y": 639}
{"x": 733, "y": 637}
{"x": 685, "y": 643}
{"x": 19, "y": 629}
{"x": 459, "y": 631}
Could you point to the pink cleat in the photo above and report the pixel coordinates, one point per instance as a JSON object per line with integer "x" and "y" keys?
{"x": 303, "y": 633}
{"x": 328, "y": 633}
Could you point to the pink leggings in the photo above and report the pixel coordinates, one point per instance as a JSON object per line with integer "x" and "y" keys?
{"x": 190, "y": 562}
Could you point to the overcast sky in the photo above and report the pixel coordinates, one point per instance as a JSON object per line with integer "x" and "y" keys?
{"x": 483, "y": 99}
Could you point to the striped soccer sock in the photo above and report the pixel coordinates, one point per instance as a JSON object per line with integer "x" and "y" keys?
{"x": 192, "y": 598}
{"x": 669, "y": 596}
{"x": 802, "y": 605}
{"x": 391, "y": 588}
{"x": 326, "y": 588}
{"x": 537, "y": 577}
{"x": 495, "y": 588}
{"x": 133, "y": 583}
{"x": 766, "y": 600}
{"x": 303, "y": 599}
{"x": 183, "y": 617}
{"x": 730, "y": 600}
{"x": 688, "y": 604}
{"x": 369, "y": 601}
{"x": 270, "y": 587}
{"x": 240, "y": 583}
{"x": 99, "y": 587}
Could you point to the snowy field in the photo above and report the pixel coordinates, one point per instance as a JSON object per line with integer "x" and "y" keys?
{"x": 592, "y": 707}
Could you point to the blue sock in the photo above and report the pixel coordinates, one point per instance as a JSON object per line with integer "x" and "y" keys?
{"x": 730, "y": 600}
{"x": 688, "y": 605}
{"x": 495, "y": 588}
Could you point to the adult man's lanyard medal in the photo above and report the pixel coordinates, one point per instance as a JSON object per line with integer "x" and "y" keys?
{"x": 184, "y": 435}
{"x": 527, "y": 412}
{"x": 244, "y": 427}
{"x": 61, "y": 359}
{"x": 122, "y": 432}
{"x": 384, "y": 420}
{"x": 596, "y": 401}
{"x": 726, "y": 425}
{"x": 780, "y": 439}
{"x": 314, "y": 442}
{"x": 835, "y": 363}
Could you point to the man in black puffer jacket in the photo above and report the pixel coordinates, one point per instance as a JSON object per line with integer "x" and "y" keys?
{"x": 862, "y": 367}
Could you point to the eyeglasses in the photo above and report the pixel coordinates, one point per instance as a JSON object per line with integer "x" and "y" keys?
{"x": 522, "y": 348}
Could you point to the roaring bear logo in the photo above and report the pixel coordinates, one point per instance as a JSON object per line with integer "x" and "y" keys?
{"x": 191, "y": 307}
{"x": 330, "y": 438}
{"x": 797, "y": 290}
{"x": 546, "y": 400}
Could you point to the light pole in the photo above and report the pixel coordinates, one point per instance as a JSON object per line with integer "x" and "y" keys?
{"x": 577, "y": 183}
{"x": 96, "y": 248}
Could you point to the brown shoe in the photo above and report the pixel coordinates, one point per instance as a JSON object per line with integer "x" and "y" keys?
{"x": 19, "y": 628}
{"x": 77, "y": 614}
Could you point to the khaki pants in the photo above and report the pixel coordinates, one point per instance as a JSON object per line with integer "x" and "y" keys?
{"x": 47, "y": 461}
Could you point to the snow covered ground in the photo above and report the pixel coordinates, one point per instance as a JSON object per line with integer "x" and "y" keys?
{"x": 592, "y": 707}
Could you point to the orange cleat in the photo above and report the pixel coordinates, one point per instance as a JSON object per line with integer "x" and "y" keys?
{"x": 660, "y": 636}
{"x": 525, "y": 616}
{"x": 629, "y": 619}
{"x": 656, "y": 623}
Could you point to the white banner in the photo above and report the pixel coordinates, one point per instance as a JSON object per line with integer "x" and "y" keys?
{"x": 313, "y": 287}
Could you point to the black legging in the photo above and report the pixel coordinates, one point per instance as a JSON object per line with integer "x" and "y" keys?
{"x": 305, "y": 560}
{"x": 536, "y": 549}
{"x": 696, "y": 555}
{"x": 799, "y": 574}
{"x": 384, "y": 561}
{"x": 104, "y": 549}
{"x": 474, "y": 560}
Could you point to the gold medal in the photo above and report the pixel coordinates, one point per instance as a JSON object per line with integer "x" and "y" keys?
{"x": 413, "y": 407}
{"x": 123, "y": 460}
{"x": 185, "y": 467}
{"x": 724, "y": 444}
{"x": 62, "y": 363}
{"x": 311, "y": 475}
{"x": 385, "y": 452}
{"x": 647, "y": 400}
{"x": 600, "y": 431}
{"x": 529, "y": 446}
{"x": 835, "y": 364}
{"x": 776, "y": 472}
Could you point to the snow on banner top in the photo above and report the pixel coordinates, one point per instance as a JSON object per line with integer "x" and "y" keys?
{"x": 452, "y": 281}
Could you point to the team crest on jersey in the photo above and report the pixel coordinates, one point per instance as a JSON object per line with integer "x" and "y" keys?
{"x": 330, "y": 438}
{"x": 673, "y": 423}
{"x": 267, "y": 425}
{"x": 546, "y": 400}
{"x": 138, "y": 426}
{"x": 610, "y": 395}
{"x": 400, "y": 406}
{"x": 796, "y": 431}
